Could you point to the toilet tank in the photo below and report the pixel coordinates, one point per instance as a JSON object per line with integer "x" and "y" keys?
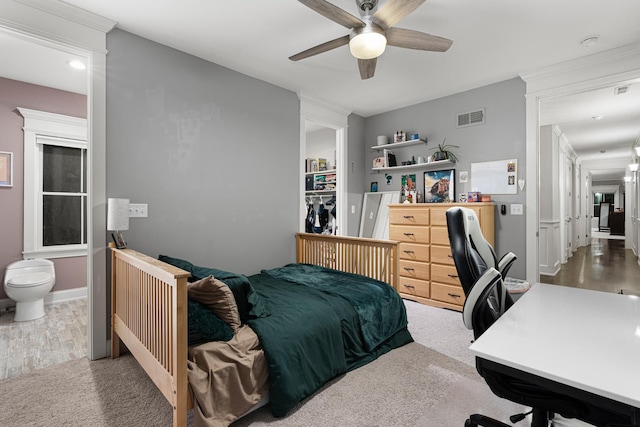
{"x": 28, "y": 266}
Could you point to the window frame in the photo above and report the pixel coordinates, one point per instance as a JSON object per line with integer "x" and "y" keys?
{"x": 43, "y": 128}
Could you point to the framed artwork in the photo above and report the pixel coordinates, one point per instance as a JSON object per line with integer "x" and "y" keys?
{"x": 439, "y": 186}
{"x": 6, "y": 169}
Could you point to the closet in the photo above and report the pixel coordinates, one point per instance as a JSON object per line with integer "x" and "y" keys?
{"x": 320, "y": 180}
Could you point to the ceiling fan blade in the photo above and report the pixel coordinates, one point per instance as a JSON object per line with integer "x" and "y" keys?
{"x": 334, "y": 13}
{"x": 410, "y": 39}
{"x": 393, "y": 11}
{"x": 324, "y": 47}
{"x": 367, "y": 67}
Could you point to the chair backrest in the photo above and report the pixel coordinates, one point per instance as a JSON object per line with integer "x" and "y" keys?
{"x": 471, "y": 252}
{"x": 476, "y": 264}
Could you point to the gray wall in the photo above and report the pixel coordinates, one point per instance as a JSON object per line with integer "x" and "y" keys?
{"x": 214, "y": 154}
{"x": 501, "y": 137}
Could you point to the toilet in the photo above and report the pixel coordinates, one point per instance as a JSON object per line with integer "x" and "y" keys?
{"x": 27, "y": 282}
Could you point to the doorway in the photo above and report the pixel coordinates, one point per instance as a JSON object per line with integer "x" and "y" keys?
{"x": 559, "y": 82}
{"x": 85, "y": 35}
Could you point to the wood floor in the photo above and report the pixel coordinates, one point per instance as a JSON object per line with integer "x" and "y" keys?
{"x": 59, "y": 336}
{"x": 605, "y": 265}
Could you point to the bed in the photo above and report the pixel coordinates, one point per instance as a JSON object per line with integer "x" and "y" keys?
{"x": 150, "y": 315}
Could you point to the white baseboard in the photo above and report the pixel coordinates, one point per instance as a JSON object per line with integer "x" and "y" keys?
{"x": 51, "y": 298}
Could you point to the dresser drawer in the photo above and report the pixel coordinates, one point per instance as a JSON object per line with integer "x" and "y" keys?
{"x": 440, "y": 236}
{"x": 444, "y": 274}
{"x": 409, "y": 233}
{"x": 414, "y": 252}
{"x": 409, "y": 216}
{"x": 439, "y": 216}
{"x": 447, "y": 293}
{"x": 415, "y": 287}
{"x": 414, "y": 269}
{"x": 441, "y": 255}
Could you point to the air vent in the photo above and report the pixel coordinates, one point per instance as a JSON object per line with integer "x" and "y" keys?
{"x": 620, "y": 90}
{"x": 471, "y": 118}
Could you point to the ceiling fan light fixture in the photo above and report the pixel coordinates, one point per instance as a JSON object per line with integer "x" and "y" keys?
{"x": 367, "y": 42}
{"x": 633, "y": 167}
{"x": 637, "y": 150}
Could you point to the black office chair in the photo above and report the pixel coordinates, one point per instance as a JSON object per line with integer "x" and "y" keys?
{"x": 486, "y": 300}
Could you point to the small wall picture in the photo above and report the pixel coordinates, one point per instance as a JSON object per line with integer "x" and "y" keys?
{"x": 439, "y": 186}
{"x": 6, "y": 169}
{"x": 374, "y": 187}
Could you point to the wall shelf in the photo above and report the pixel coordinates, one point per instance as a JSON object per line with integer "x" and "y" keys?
{"x": 432, "y": 165}
{"x": 399, "y": 144}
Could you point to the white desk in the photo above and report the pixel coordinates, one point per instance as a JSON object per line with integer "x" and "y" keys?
{"x": 584, "y": 339}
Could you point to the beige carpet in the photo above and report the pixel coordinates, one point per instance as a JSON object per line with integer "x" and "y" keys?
{"x": 411, "y": 386}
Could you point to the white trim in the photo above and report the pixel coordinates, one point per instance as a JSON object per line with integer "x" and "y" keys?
{"x": 67, "y": 31}
{"x": 41, "y": 128}
{"x": 336, "y": 118}
{"x": 51, "y": 298}
{"x": 621, "y": 65}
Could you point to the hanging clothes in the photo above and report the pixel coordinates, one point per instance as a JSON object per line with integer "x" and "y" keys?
{"x": 310, "y": 219}
{"x": 324, "y": 216}
{"x": 317, "y": 228}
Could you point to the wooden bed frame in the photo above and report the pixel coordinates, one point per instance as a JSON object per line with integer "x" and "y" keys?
{"x": 149, "y": 304}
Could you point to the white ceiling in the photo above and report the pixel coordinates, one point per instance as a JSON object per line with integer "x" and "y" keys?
{"x": 493, "y": 40}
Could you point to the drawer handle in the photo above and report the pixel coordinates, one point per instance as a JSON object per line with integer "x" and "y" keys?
{"x": 409, "y": 269}
{"x": 408, "y": 234}
{"x": 453, "y": 295}
{"x": 409, "y": 286}
{"x": 408, "y": 216}
{"x": 453, "y": 276}
{"x": 408, "y": 252}
{"x": 450, "y": 256}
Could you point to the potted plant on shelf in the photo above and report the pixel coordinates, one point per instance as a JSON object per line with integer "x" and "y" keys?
{"x": 443, "y": 152}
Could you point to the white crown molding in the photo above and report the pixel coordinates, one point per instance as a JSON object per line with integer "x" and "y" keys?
{"x": 599, "y": 58}
{"x": 72, "y": 13}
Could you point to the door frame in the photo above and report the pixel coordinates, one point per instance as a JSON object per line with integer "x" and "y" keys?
{"x": 64, "y": 27}
{"x": 603, "y": 69}
{"x": 313, "y": 110}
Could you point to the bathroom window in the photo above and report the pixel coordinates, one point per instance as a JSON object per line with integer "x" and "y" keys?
{"x": 64, "y": 195}
{"x": 55, "y": 180}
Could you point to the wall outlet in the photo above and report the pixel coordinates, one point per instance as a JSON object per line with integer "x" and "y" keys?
{"x": 137, "y": 210}
{"x": 516, "y": 209}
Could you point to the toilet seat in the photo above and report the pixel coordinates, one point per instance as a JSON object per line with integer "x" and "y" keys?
{"x": 29, "y": 280}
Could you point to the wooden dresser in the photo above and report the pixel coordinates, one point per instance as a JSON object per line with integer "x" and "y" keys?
{"x": 427, "y": 272}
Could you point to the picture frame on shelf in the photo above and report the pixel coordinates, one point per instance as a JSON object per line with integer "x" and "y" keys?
{"x": 389, "y": 159}
{"x": 439, "y": 186}
{"x": 118, "y": 239}
{"x": 374, "y": 187}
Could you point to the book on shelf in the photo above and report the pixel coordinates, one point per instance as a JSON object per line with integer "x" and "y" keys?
{"x": 322, "y": 164}
{"x": 311, "y": 165}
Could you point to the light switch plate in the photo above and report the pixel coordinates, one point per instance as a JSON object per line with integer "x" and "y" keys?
{"x": 516, "y": 209}
{"x": 137, "y": 210}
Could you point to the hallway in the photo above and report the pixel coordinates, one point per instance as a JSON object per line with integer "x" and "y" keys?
{"x": 605, "y": 265}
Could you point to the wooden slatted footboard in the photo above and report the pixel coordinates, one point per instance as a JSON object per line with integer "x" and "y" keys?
{"x": 149, "y": 315}
{"x": 373, "y": 258}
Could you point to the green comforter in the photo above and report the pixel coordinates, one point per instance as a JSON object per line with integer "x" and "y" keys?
{"x": 322, "y": 324}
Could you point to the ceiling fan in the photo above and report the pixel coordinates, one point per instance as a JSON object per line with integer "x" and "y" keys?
{"x": 370, "y": 35}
